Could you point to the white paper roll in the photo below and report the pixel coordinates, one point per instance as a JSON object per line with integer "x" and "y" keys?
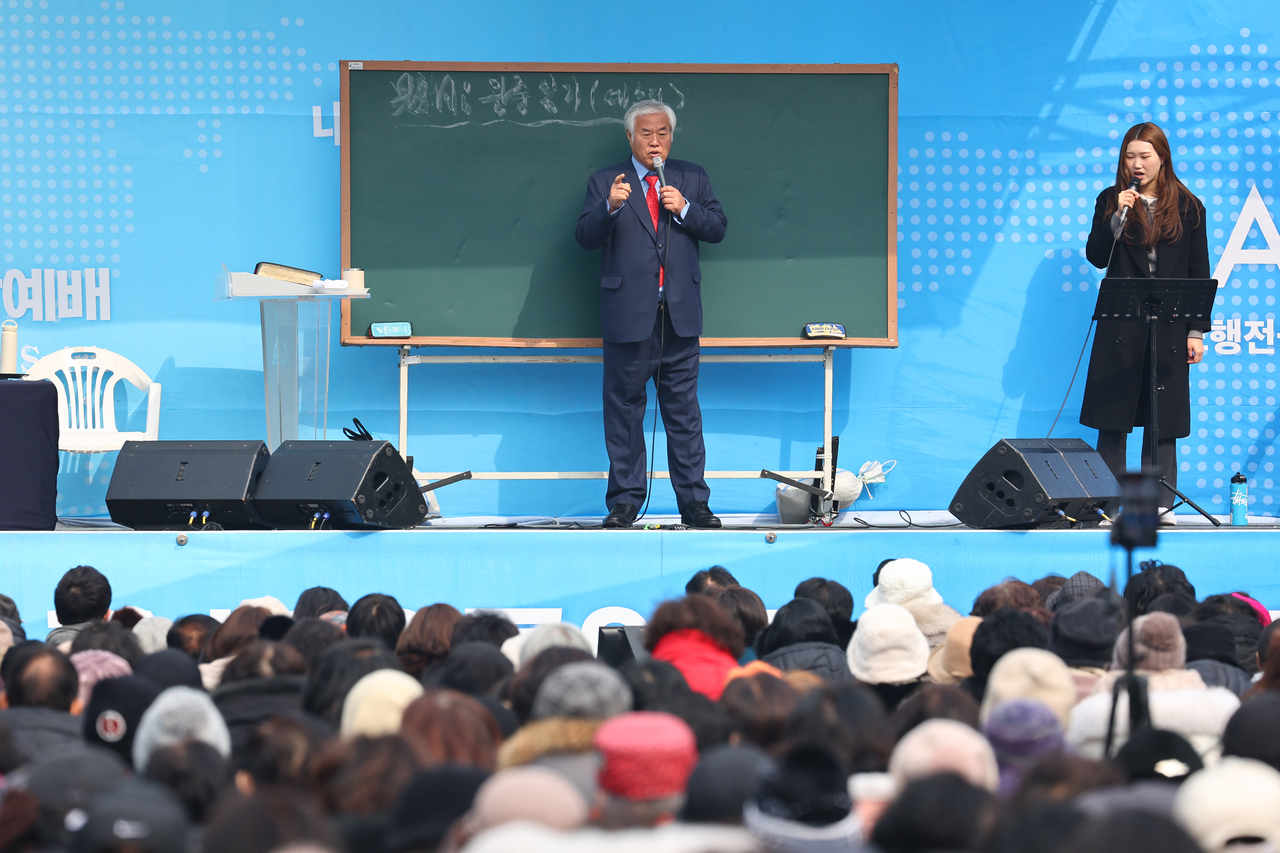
{"x": 354, "y": 277}
{"x": 9, "y": 347}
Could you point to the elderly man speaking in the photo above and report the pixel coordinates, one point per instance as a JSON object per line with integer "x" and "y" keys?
{"x": 651, "y": 309}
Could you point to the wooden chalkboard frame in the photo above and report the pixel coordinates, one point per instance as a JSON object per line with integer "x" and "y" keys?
{"x": 891, "y": 194}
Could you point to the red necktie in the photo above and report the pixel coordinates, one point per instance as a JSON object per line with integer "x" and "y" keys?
{"x": 652, "y": 198}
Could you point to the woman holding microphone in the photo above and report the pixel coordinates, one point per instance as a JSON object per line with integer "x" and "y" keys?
{"x": 1154, "y": 231}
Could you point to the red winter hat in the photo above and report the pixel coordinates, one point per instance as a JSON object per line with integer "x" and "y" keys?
{"x": 647, "y": 755}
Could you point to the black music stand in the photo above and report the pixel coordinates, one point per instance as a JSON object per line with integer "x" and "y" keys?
{"x": 1150, "y": 300}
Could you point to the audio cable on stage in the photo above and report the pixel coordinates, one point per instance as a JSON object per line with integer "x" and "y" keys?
{"x": 1088, "y": 333}
{"x": 1124, "y": 213}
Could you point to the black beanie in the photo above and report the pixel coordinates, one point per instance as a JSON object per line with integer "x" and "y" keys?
{"x": 723, "y": 781}
{"x": 1000, "y": 633}
{"x": 1083, "y": 633}
{"x": 115, "y": 709}
{"x": 170, "y": 668}
{"x": 807, "y": 786}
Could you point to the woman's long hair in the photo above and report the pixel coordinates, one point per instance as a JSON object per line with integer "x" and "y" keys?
{"x": 1165, "y": 225}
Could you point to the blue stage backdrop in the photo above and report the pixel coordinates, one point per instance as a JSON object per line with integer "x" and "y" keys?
{"x": 145, "y": 143}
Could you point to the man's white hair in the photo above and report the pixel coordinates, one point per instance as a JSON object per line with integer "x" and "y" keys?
{"x": 645, "y": 108}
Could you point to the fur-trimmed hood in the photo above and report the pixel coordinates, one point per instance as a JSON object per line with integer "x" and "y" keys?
{"x": 933, "y": 618}
{"x": 547, "y": 737}
{"x": 1200, "y": 716}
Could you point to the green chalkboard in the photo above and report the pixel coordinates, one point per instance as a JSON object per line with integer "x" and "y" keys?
{"x": 462, "y": 185}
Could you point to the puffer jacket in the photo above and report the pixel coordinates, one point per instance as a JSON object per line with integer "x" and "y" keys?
{"x": 1215, "y": 673}
{"x": 39, "y": 731}
{"x": 824, "y": 659}
{"x": 245, "y": 705}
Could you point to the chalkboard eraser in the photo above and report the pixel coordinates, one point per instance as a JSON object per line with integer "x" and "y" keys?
{"x": 390, "y": 330}
{"x": 830, "y": 331}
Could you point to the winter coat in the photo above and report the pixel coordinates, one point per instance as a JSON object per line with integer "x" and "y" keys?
{"x": 552, "y": 736}
{"x": 893, "y": 695}
{"x": 1162, "y": 681}
{"x": 824, "y": 659}
{"x": 1218, "y": 674}
{"x": 39, "y": 731}
{"x": 529, "y": 837}
{"x": 1086, "y": 677}
{"x": 1200, "y": 716}
{"x": 66, "y": 633}
{"x": 245, "y": 705}
{"x": 211, "y": 673}
{"x": 702, "y": 662}
{"x": 1113, "y": 398}
{"x": 792, "y": 836}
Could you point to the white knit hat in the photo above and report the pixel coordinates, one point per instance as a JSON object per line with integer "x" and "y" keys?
{"x": 1030, "y": 673}
{"x": 376, "y": 703}
{"x": 902, "y": 581}
{"x": 1235, "y": 799}
{"x": 888, "y": 647}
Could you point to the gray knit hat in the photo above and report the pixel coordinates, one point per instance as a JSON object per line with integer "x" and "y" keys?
{"x": 583, "y": 690}
{"x": 152, "y": 633}
{"x": 179, "y": 714}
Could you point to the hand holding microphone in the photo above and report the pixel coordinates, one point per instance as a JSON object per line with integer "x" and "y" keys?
{"x": 1129, "y": 198}
{"x": 672, "y": 199}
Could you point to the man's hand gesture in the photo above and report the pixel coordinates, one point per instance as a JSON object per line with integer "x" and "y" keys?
{"x": 618, "y": 193}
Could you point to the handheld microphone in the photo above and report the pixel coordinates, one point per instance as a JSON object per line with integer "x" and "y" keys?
{"x": 657, "y": 167}
{"x": 1124, "y": 211}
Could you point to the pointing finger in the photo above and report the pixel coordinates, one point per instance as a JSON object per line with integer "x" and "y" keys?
{"x": 618, "y": 180}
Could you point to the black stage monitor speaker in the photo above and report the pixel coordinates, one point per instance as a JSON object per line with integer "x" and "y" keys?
{"x": 356, "y": 483}
{"x": 186, "y": 484}
{"x": 1035, "y": 482}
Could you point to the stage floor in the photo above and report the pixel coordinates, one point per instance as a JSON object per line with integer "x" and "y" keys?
{"x": 571, "y": 574}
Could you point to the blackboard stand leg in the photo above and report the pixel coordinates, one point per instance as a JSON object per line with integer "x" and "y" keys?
{"x": 827, "y": 357}
{"x": 828, "y": 375}
{"x": 404, "y": 401}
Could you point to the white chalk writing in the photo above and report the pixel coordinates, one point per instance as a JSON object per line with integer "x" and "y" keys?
{"x": 520, "y": 98}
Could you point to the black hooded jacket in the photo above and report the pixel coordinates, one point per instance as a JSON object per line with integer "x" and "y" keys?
{"x": 801, "y": 636}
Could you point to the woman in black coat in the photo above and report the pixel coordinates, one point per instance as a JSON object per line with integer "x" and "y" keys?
{"x": 1163, "y": 237}
{"x": 801, "y": 636}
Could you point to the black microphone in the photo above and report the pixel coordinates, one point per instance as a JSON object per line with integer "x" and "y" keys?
{"x": 657, "y": 167}
{"x": 1124, "y": 211}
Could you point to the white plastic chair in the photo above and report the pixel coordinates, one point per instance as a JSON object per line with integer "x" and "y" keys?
{"x": 86, "y": 379}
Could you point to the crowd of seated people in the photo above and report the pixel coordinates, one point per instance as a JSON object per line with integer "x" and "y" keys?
{"x": 351, "y": 728}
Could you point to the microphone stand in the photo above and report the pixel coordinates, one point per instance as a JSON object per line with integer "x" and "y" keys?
{"x": 1132, "y": 683}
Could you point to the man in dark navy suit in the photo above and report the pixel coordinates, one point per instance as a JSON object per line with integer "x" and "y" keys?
{"x": 651, "y": 310}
